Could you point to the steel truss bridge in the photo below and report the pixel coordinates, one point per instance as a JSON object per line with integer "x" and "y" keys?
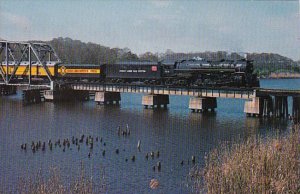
{"x": 13, "y": 53}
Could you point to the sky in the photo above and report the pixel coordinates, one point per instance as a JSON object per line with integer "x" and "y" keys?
{"x": 182, "y": 26}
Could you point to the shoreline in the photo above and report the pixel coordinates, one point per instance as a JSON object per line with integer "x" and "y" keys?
{"x": 282, "y": 75}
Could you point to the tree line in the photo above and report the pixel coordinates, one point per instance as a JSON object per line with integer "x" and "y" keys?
{"x": 77, "y": 52}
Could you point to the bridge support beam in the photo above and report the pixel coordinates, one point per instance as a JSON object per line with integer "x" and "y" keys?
{"x": 66, "y": 95}
{"x": 107, "y": 97}
{"x": 296, "y": 109}
{"x": 155, "y": 101}
{"x": 7, "y": 90}
{"x": 199, "y": 104}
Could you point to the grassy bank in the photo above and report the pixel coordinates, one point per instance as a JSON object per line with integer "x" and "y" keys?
{"x": 39, "y": 184}
{"x": 255, "y": 166}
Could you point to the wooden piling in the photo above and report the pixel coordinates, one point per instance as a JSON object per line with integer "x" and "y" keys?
{"x": 281, "y": 107}
{"x": 296, "y": 108}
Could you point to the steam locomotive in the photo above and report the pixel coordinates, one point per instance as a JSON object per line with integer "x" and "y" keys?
{"x": 192, "y": 72}
{"x": 196, "y": 72}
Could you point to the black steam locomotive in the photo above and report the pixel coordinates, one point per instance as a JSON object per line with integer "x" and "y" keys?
{"x": 193, "y": 72}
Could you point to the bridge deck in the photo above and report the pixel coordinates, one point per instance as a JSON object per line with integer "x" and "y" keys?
{"x": 277, "y": 92}
{"x": 239, "y": 93}
{"x": 182, "y": 91}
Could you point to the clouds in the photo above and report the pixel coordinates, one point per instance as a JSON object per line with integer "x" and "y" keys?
{"x": 20, "y": 22}
{"x": 161, "y": 3}
{"x": 250, "y": 26}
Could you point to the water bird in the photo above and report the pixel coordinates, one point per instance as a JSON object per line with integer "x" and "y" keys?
{"x": 182, "y": 162}
{"x": 89, "y": 155}
{"x": 117, "y": 151}
{"x": 153, "y": 167}
{"x": 157, "y": 154}
{"x": 103, "y": 153}
{"x": 104, "y": 144}
{"x": 126, "y": 159}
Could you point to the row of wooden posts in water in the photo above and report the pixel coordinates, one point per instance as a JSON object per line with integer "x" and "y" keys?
{"x": 66, "y": 144}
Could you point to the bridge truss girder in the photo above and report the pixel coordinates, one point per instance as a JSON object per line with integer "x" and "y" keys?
{"x": 14, "y": 53}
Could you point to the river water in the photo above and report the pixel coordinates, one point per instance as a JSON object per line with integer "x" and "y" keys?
{"x": 176, "y": 133}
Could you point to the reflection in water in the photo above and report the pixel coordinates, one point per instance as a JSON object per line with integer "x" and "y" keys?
{"x": 175, "y": 132}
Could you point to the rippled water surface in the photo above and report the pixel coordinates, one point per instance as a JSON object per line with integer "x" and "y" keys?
{"x": 175, "y": 132}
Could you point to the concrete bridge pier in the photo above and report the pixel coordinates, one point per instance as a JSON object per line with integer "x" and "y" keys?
{"x": 259, "y": 106}
{"x": 7, "y": 90}
{"x": 155, "y": 101}
{"x": 296, "y": 109}
{"x": 107, "y": 97}
{"x": 65, "y": 95}
{"x": 199, "y": 104}
{"x": 32, "y": 96}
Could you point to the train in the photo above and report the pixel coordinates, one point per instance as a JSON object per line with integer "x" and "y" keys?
{"x": 194, "y": 72}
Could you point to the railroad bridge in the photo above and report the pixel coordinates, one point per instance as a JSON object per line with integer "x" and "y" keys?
{"x": 259, "y": 101}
